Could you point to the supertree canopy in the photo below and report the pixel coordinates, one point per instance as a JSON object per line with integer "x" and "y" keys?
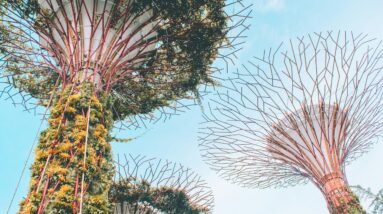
{"x": 94, "y": 63}
{"x": 142, "y": 53}
{"x": 149, "y": 185}
{"x": 297, "y": 114}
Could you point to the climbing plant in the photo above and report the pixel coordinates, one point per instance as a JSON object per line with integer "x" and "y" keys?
{"x": 125, "y": 59}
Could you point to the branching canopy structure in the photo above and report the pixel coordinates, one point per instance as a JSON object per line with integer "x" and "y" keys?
{"x": 95, "y": 62}
{"x": 143, "y": 54}
{"x": 297, "y": 114}
{"x": 144, "y": 185}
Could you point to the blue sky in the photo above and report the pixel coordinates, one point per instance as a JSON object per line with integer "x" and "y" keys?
{"x": 274, "y": 21}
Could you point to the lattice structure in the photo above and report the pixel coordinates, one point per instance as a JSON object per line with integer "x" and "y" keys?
{"x": 97, "y": 63}
{"x": 143, "y": 54}
{"x": 297, "y": 114}
{"x": 158, "y": 186}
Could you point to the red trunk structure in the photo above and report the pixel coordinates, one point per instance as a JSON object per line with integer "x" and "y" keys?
{"x": 299, "y": 114}
{"x": 133, "y": 58}
{"x": 309, "y": 139}
{"x": 336, "y": 190}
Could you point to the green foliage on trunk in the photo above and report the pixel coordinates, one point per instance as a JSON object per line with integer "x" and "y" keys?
{"x": 351, "y": 207}
{"x": 61, "y": 153}
{"x": 375, "y": 200}
{"x": 188, "y": 36}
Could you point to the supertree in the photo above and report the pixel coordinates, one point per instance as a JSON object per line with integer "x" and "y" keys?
{"x": 375, "y": 200}
{"x": 299, "y": 114}
{"x": 94, "y": 63}
{"x": 150, "y": 185}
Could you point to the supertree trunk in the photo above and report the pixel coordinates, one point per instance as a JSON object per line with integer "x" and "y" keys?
{"x": 73, "y": 165}
{"x": 147, "y": 59}
{"x": 340, "y": 199}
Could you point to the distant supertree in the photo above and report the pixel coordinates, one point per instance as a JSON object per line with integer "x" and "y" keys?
{"x": 375, "y": 200}
{"x": 144, "y": 185}
{"x": 299, "y": 114}
{"x": 94, "y": 63}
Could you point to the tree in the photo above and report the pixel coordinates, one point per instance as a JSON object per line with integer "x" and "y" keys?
{"x": 94, "y": 63}
{"x": 376, "y": 200}
{"x": 144, "y": 185}
{"x": 299, "y": 114}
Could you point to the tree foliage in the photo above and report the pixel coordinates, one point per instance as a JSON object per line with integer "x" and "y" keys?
{"x": 189, "y": 35}
{"x": 375, "y": 199}
{"x": 60, "y": 156}
{"x": 351, "y": 207}
{"x": 163, "y": 199}
{"x": 43, "y": 55}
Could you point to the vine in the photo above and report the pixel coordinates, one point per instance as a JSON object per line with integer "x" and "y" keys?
{"x": 56, "y": 174}
{"x": 351, "y": 207}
